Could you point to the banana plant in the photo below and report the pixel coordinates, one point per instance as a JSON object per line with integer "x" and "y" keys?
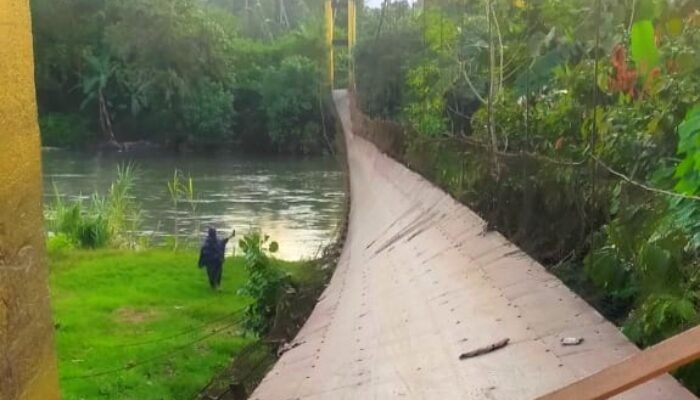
{"x": 95, "y": 80}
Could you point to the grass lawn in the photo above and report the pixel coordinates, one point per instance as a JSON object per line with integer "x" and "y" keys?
{"x": 143, "y": 325}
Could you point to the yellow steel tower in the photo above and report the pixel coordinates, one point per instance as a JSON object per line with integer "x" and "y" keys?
{"x": 352, "y": 38}
{"x": 328, "y": 17}
{"x": 27, "y": 358}
{"x": 330, "y": 42}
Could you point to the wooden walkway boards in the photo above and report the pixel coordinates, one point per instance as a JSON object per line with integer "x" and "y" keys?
{"x": 419, "y": 283}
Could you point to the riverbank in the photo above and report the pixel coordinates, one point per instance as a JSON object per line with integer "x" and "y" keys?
{"x": 296, "y": 201}
{"x": 145, "y": 325}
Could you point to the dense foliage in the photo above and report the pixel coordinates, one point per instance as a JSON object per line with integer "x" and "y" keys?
{"x": 572, "y": 127}
{"x": 196, "y": 73}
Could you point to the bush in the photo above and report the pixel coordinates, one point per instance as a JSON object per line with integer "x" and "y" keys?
{"x": 85, "y": 226}
{"x": 63, "y": 130}
{"x": 59, "y": 242}
{"x": 93, "y": 231}
{"x": 266, "y": 284}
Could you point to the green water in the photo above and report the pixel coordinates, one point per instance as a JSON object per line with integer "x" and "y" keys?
{"x": 298, "y": 202}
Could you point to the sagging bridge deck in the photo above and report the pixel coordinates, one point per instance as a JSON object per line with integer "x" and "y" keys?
{"x": 420, "y": 281}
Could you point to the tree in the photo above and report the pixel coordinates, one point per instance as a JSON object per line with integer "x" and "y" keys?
{"x": 96, "y": 78}
{"x": 208, "y": 112}
{"x": 290, "y": 100}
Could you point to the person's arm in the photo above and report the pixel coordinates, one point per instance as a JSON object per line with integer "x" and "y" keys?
{"x": 224, "y": 242}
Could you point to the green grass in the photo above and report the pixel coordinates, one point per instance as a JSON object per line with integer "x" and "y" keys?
{"x": 143, "y": 325}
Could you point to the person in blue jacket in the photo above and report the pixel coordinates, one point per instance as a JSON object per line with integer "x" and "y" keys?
{"x": 211, "y": 256}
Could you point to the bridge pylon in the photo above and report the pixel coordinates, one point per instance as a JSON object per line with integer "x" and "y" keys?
{"x": 328, "y": 31}
{"x": 330, "y": 42}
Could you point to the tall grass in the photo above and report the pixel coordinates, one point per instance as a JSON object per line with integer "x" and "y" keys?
{"x": 181, "y": 190}
{"x": 123, "y": 212}
{"x": 103, "y": 220}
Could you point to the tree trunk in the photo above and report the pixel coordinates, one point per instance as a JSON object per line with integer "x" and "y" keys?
{"x": 492, "y": 89}
{"x": 105, "y": 120}
{"x": 284, "y": 20}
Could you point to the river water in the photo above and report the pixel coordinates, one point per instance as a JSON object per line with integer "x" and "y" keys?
{"x": 298, "y": 202}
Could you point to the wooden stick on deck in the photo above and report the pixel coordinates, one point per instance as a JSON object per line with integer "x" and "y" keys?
{"x": 661, "y": 358}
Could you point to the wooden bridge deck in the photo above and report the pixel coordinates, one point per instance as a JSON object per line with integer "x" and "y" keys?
{"x": 420, "y": 282}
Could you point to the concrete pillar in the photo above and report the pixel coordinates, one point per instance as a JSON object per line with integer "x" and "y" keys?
{"x": 27, "y": 357}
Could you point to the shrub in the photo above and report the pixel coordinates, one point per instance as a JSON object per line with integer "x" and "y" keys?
{"x": 647, "y": 263}
{"x": 84, "y": 225}
{"x": 59, "y": 242}
{"x": 266, "y": 283}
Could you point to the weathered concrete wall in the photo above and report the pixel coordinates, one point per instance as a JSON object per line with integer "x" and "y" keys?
{"x": 27, "y": 360}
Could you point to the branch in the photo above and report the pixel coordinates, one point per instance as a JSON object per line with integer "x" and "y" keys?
{"x": 634, "y": 8}
{"x": 469, "y": 81}
{"x": 642, "y": 185}
{"x": 381, "y": 19}
{"x": 500, "y": 45}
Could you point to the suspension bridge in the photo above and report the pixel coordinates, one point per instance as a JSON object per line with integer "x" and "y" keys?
{"x": 426, "y": 303}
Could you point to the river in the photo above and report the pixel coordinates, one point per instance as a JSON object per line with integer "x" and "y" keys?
{"x": 298, "y": 202}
